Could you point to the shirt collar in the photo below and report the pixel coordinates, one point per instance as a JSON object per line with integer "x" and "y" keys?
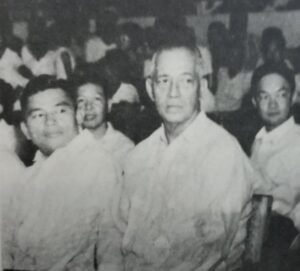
{"x": 76, "y": 144}
{"x": 276, "y": 133}
{"x": 190, "y": 132}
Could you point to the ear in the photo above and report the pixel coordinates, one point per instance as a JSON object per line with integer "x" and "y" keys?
{"x": 25, "y": 130}
{"x": 149, "y": 88}
{"x": 254, "y": 102}
{"x": 109, "y": 105}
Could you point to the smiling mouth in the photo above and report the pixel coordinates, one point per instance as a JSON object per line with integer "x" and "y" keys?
{"x": 273, "y": 114}
{"x": 89, "y": 117}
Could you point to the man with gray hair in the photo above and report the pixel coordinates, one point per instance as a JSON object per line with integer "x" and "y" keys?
{"x": 187, "y": 188}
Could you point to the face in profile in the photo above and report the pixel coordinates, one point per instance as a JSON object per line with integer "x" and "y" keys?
{"x": 175, "y": 86}
{"x": 50, "y": 120}
{"x": 273, "y": 100}
{"x": 91, "y": 104}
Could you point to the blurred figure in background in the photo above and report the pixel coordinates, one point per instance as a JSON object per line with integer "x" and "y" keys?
{"x": 273, "y": 47}
{"x": 217, "y": 38}
{"x": 233, "y": 80}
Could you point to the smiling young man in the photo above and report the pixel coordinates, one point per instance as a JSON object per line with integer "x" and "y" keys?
{"x": 92, "y": 108}
{"x": 276, "y": 153}
{"x": 62, "y": 215}
{"x": 188, "y": 186}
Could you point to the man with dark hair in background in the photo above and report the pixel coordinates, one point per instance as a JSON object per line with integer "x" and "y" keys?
{"x": 275, "y": 153}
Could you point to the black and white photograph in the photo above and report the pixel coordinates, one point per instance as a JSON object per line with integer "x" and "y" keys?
{"x": 149, "y": 135}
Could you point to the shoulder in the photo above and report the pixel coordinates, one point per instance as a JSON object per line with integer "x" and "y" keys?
{"x": 140, "y": 154}
{"x": 121, "y": 138}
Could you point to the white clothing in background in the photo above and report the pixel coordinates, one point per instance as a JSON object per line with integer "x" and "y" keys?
{"x": 45, "y": 65}
{"x": 9, "y": 64}
{"x": 231, "y": 91}
{"x": 125, "y": 93}
{"x": 96, "y": 48}
{"x": 206, "y": 61}
{"x": 59, "y": 65}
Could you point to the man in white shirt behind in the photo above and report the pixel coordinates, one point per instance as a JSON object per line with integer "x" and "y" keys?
{"x": 61, "y": 217}
{"x": 276, "y": 152}
{"x": 92, "y": 97}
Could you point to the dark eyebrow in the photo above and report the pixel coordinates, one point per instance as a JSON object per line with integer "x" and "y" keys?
{"x": 31, "y": 111}
{"x": 68, "y": 104}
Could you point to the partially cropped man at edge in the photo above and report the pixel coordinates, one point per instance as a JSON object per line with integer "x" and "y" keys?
{"x": 187, "y": 188}
{"x": 62, "y": 218}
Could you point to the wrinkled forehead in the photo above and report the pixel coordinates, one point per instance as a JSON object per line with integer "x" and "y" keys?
{"x": 176, "y": 61}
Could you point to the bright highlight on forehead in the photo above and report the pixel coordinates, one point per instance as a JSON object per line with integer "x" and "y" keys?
{"x": 273, "y": 82}
{"x": 175, "y": 60}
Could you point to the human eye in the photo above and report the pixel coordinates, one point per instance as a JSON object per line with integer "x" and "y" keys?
{"x": 188, "y": 80}
{"x": 262, "y": 96}
{"x": 79, "y": 100}
{"x": 283, "y": 94}
{"x": 62, "y": 109}
{"x": 163, "y": 81}
{"x": 37, "y": 115}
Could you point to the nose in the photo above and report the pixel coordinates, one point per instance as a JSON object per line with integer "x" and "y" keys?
{"x": 50, "y": 119}
{"x": 174, "y": 89}
{"x": 273, "y": 104}
{"x": 88, "y": 105}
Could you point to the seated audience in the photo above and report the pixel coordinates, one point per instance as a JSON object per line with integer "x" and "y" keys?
{"x": 61, "y": 216}
{"x": 96, "y": 46}
{"x": 10, "y": 62}
{"x": 176, "y": 211}
{"x": 37, "y": 56}
{"x": 217, "y": 38}
{"x": 117, "y": 73}
{"x": 92, "y": 98}
{"x": 233, "y": 81}
{"x": 275, "y": 153}
{"x": 273, "y": 47}
{"x": 60, "y": 43}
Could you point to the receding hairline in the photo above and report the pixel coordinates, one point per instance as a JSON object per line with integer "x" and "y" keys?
{"x": 194, "y": 52}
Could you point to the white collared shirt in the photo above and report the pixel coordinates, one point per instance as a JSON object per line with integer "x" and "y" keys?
{"x": 63, "y": 211}
{"x": 117, "y": 144}
{"x": 187, "y": 202}
{"x": 276, "y": 154}
{"x": 9, "y": 64}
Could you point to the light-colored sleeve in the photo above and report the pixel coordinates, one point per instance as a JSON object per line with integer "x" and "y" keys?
{"x": 11, "y": 193}
{"x": 222, "y": 233}
{"x": 109, "y": 242}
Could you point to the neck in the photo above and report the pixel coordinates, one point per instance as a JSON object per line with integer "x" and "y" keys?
{"x": 173, "y": 130}
{"x": 270, "y": 128}
{"x": 100, "y": 131}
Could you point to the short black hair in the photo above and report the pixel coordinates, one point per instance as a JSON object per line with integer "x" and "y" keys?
{"x": 90, "y": 77}
{"x": 272, "y": 34}
{"x": 6, "y": 99}
{"x": 42, "y": 83}
{"x": 266, "y": 69}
